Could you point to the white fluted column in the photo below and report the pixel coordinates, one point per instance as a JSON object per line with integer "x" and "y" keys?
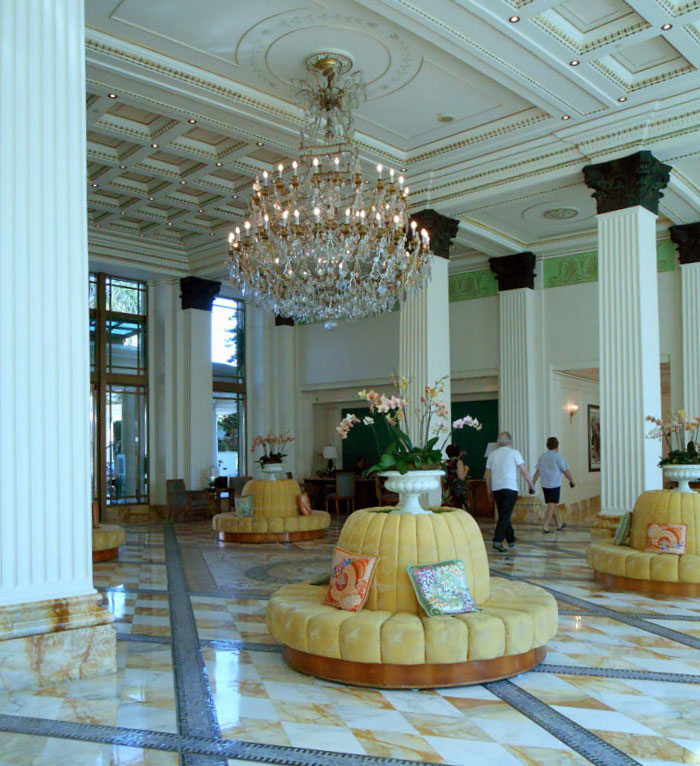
{"x": 180, "y": 378}
{"x": 690, "y": 312}
{"x": 517, "y": 392}
{"x": 424, "y": 342}
{"x": 45, "y": 538}
{"x": 630, "y": 384}
{"x": 51, "y": 626}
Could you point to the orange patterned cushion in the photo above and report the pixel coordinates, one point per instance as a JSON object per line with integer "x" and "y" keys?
{"x": 350, "y": 580}
{"x": 304, "y": 504}
{"x": 666, "y": 538}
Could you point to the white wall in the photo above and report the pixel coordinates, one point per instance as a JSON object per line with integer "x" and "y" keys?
{"x": 573, "y": 432}
{"x": 474, "y": 337}
{"x": 354, "y": 353}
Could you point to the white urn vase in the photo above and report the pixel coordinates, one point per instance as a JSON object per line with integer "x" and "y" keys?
{"x": 273, "y": 471}
{"x": 682, "y": 474}
{"x": 410, "y": 486}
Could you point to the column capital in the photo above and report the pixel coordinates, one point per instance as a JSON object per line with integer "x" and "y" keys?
{"x": 198, "y": 293}
{"x": 440, "y": 228}
{"x": 514, "y": 271}
{"x": 628, "y": 181}
{"x": 686, "y": 238}
{"x": 283, "y": 321}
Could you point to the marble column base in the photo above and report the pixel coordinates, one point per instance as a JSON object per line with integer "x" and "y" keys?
{"x": 528, "y": 508}
{"x": 43, "y": 643}
{"x": 603, "y": 526}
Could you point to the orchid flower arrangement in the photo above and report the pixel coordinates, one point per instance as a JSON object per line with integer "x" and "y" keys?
{"x": 680, "y": 434}
{"x": 272, "y": 448}
{"x": 401, "y": 454}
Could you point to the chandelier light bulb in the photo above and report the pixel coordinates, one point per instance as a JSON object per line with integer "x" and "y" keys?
{"x": 280, "y": 168}
{"x": 231, "y": 237}
{"x": 379, "y": 170}
{"x": 391, "y": 173}
{"x": 317, "y": 213}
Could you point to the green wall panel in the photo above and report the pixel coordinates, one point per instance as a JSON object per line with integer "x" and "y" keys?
{"x": 474, "y": 442}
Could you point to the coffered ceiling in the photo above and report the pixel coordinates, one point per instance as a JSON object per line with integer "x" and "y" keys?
{"x": 493, "y": 106}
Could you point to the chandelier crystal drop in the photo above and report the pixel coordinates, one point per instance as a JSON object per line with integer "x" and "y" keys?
{"x": 319, "y": 242}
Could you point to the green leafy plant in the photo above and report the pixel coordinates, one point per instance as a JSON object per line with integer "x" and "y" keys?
{"x": 401, "y": 454}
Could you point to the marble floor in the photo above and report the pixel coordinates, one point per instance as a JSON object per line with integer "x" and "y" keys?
{"x": 201, "y": 683}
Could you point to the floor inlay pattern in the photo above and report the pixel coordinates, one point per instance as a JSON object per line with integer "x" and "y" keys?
{"x": 200, "y": 682}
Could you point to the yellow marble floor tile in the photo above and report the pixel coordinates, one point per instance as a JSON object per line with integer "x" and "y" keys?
{"x": 391, "y": 744}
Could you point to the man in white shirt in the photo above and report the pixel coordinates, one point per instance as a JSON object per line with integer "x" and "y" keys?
{"x": 501, "y": 477}
{"x": 550, "y": 468}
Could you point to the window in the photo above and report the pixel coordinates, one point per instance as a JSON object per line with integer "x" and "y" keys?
{"x": 228, "y": 363}
{"x": 119, "y": 390}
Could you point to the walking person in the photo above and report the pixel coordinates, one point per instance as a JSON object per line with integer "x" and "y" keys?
{"x": 551, "y": 466}
{"x": 501, "y": 477}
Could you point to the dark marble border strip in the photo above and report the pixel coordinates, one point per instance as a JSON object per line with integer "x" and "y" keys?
{"x": 196, "y": 712}
{"x": 585, "y": 743}
{"x": 603, "y": 611}
{"x": 241, "y": 646}
{"x": 129, "y": 589}
{"x": 289, "y": 756}
{"x": 635, "y": 675}
{"x": 136, "y": 562}
{"x": 89, "y": 732}
{"x": 142, "y": 638}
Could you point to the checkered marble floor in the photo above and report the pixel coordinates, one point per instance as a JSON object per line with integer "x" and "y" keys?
{"x": 620, "y": 683}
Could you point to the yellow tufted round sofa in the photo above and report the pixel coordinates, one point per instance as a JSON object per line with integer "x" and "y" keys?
{"x": 275, "y": 518}
{"x": 632, "y": 567}
{"x": 391, "y": 642}
{"x": 106, "y": 539}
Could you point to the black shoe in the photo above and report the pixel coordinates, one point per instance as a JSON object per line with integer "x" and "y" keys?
{"x": 500, "y": 547}
{"x": 560, "y": 527}
{"x": 547, "y": 531}
{"x": 511, "y": 545}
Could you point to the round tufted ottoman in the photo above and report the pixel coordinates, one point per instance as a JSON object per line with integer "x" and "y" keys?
{"x": 275, "y": 518}
{"x": 106, "y": 540}
{"x": 631, "y": 567}
{"x": 391, "y": 642}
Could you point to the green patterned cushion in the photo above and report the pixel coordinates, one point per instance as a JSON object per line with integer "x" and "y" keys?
{"x": 244, "y": 505}
{"x": 442, "y": 588}
{"x": 622, "y": 533}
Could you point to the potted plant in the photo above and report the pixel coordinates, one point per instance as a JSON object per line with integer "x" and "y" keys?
{"x": 680, "y": 434}
{"x": 271, "y": 461}
{"x": 411, "y": 468}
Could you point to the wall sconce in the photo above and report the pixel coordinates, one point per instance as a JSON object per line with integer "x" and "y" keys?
{"x": 572, "y": 409}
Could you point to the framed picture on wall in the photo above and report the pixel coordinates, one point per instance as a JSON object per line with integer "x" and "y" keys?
{"x": 593, "y": 437}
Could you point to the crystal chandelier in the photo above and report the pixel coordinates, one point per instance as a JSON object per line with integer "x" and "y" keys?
{"x": 319, "y": 243}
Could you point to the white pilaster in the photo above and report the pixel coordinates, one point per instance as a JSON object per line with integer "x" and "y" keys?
{"x": 424, "y": 341}
{"x": 690, "y": 312}
{"x": 181, "y": 391}
{"x": 45, "y": 537}
{"x": 630, "y": 385}
{"x": 520, "y": 341}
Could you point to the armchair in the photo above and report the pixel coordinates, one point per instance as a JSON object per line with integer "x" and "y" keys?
{"x": 184, "y": 504}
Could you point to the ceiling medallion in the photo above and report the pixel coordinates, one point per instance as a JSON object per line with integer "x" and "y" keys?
{"x": 318, "y": 244}
{"x": 560, "y": 213}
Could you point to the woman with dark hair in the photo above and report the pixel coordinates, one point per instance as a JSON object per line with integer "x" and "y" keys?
{"x": 455, "y": 487}
{"x": 550, "y": 467}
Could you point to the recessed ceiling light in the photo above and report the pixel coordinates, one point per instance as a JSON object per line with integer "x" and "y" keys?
{"x": 235, "y": 196}
{"x": 566, "y": 116}
{"x": 200, "y": 210}
{"x": 123, "y": 167}
{"x": 211, "y": 233}
{"x": 154, "y": 145}
{"x": 666, "y": 26}
{"x": 404, "y": 170}
{"x": 622, "y": 99}
{"x": 123, "y": 212}
{"x": 183, "y": 182}
{"x": 98, "y": 225}
{"x": 219, "y": 164}
{"x": 170, "y": 223}
{"x": 94, "y": 186}
{"x": 111, "y": 95}
{"x": 259, "y": 143}
{"x": 514, "y": 19}
{"x": 150, "y": 199}
{"x": 192, "y": 121}
{"x": 141, "y": 235}
{"x": 574, "y": 62}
